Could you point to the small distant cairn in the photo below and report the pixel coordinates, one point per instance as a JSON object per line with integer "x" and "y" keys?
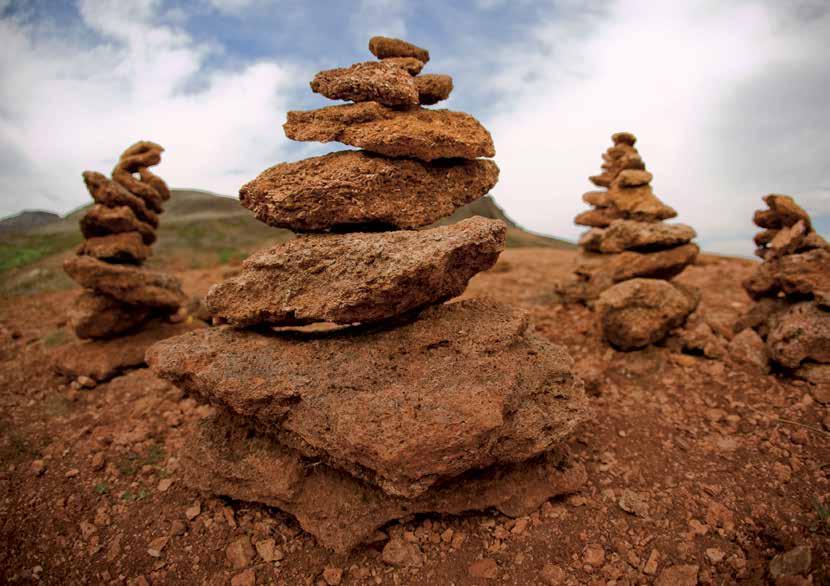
{"x": 399, "y": 403}
{"x": 791, "y": 289}
{"x": 119, "y": 296}
{"x": 630, "y": 253}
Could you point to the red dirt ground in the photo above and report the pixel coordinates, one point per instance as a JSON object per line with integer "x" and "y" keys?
{"x": 694, "y": 466}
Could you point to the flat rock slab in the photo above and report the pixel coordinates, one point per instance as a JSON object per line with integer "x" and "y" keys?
{"x": 97, "y": 316}
{"x": 662, "y": 264}
{"x": 418, "y": 132}
{"x": 639, "y": 203}
{"x": 128, "y": 284}
{"x": 433, "y": 88}
{"x": 639, "y": 312}
{"x": 386, "y": 47}
{"x": 372, "y": 81}
{"x": 103, "y": 221}
{"x": 466, "y": 386}
{"x": 598, "y": 218}
{"x": 355, "y": 190}
{"x": 227, "y": 458}
{"x": 102, "y": 360}
{"x": 632, "y": 235}
{"x": 800, "y": 333}
{"x": 357, "y": 277}
{"x": 126, "y": 247}
{"x": 111, "y": 194}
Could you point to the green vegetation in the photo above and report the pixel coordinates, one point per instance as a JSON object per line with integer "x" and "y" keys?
{"x": 130, "y": 464}
{"x": 55, "y": 338}
{"x": 101, "y": 488}
{"x": 130, "y": 496}
{"x": 18, "y": 251}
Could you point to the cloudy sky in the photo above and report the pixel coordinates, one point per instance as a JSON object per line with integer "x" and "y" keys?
{"x": 728, "y": 99}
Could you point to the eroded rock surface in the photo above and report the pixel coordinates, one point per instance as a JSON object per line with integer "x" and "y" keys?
{"x": 93, "y": 315}
{"x": 372, "y": 81}
{"x": 111, "y": 194}
{"x": 103, "y": 221}
{"x": 126, "y": 247}
{"x": 433, "y": 88}
{"x": 632, "y": 235}
{"x": 386, "y": 47}
{"x": 800, "y": 333}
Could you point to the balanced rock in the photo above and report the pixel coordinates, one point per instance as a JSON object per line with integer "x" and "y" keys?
{"x": 154, "y": 181}
{"x": 93, "y": 315}
{"x": 639, "y": 203}
{"x": 663, "y": 264}
{"x": 385, "y": 47}
{"x": 804, "y": 274}
{"x": 639, "y": 312}
{"x": 433, "y": 88}
{"x": 357, "y": 277}
{"x": 782, "y": 212}
{"x": 477, "y": 388}
{"x": 112, "y": 195}
{"x": 598, "y": 218}
{"x": 144, "y": 153}
{"x": 354, "y": 188}
{"x": 417, "y": 132}
{"x": 103, "y": 221}
{"x": 126, "y": 247}
{"x": 800, "y": 333}
{"x": 228, "y": 457}
{"x": 632, "y": 235}
{"x": 125, "y": 283}
{"x": 372, "y": 81}
{"x": 409, "y": 64}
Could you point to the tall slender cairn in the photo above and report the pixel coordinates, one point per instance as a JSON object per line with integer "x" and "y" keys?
{"x": 408, "y": 405}
{"x": 119, "y": 296}
{"x": 791, "y": 288}
{"x": 630, "y": 253}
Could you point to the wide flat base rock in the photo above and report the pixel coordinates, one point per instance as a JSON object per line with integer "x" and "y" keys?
{"x": 356, "y": 189}
{"x": 357, "y": 277}
{"x": 416, "y": 132}
{"x": 226, "y": 457}
{"x": 103, "y": 359}
{"x": 467, "y": 385}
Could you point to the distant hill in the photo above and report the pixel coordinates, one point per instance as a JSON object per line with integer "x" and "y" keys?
{"x": 26, "y": 220}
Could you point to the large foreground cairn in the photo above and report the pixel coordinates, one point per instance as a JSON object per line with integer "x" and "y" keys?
{"x": 791, "y": 288}
{"x": 630, "y": 253}
{"x": 410, "y": 405}
{"x": 119, "y": 296}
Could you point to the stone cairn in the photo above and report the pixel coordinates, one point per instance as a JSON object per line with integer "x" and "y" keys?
{"x": 629, "y": 253}
{"x": 791, "y": 288}
{"x": 395, "y": 403}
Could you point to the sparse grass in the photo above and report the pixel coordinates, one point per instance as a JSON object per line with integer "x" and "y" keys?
{"x": 230, "y": 255}
{"x": 54, "y": 338}
{"x": 131, "y": 497}
{"x": 822, "y": 514}
{"x": 102, "y": 488}
{"x": 130, "y": 464}
{"x": 23, "y": 250}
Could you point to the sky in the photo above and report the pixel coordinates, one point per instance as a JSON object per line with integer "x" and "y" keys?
{"x": 728, "y": 99}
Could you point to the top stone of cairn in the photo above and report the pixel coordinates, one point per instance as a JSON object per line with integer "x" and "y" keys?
{"x": 386, "y": 48}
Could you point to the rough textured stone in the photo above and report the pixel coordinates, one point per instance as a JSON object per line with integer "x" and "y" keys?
{"x": 386, "y": 47}
{"x": 782, "y": 212}
{"x": 475, "y": 388}
{"x": 682, "y": 575}
{"x": 748, "y": 349}
{"x": 372, "y": 81}
{"x": 633, "y": 178}
{"x": 623, "y": 138}
{"x": 639, "y": 312}
{"x": 800, "y": 333}
{"x": 142, "y": 154}
{"x": 760, "y": 315}
{"x": 355, "y": 189}
{"x": 126, "y": 283}
{"x": 787, "y": 240}
{"x": 103, "y": 221}
{"x": 126, "y": 247}
{"x": 792, "y": 562}
{"x": 597, "y": 199}
{"x": 818, "y": 374}
{"x": 662, "y": 264}
{"x": 632, "y": 235}
{"x": 112, "y": 195}
{"x": 598, "y": 218}
{"x": 228, "y": 458}
{"x": 357, "y": 277}
{"x": 418, "y": 132}
{"x": 411, "y": 65}
{"x": 433, "y": 88}
{"x": 805, "y": 274}
{"x": 97, "y": 316}
{"x": 639, "y": 203}
{"x": 147, "y": 192}
{"x": 617, "y": 158}
{"x": 155, "y": 182}
{"x": 591, "y": 240}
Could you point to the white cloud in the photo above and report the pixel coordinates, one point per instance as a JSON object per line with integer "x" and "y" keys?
{"x": 678, "y": 75}
{"x": 72, "y": 102}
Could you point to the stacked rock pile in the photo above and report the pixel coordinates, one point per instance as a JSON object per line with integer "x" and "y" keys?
{"x": 792, "y": 290}
{"x": 119, "y": 296}
{"x": 408, "y": 405}
{"x": 629, "y": 253}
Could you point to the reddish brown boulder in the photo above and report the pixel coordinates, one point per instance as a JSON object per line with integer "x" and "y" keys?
{"x": 411, "y": 65}
{"x": 357, "y": 277}
{"x": 97, "y": 316}
{"x": 598, "y": 218}
{"x": 639, "y": 312}
{"x": 112, "y": 195}
{"x": 228, "y": 458}
{"x": 418, "y": 132}
{"x": 787, "y": 240}
{"x": 477, "y": 388}
{"x": 354, "y": 189}
{"x": 433, "y": 88}
{"x": 126, "y": 283}
{"x": 126, "y": 247}
{"x": 103, "y": 221}
{"x": 386, "y": 47}
{"x": 372, "y": 81}
{"x": 748, "y": 349}
{"x": 804, "y": 274}
{"x": 632, "y": 235}
{"x": 639, "y": 203}
{"x": 782, "y": 212}
{"x": 800, "y": 333}
{"x": 662, "y": 264}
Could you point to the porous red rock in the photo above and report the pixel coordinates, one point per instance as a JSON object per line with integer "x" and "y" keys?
{"x": 662, "y": 264}
{"x": 433, "y": 88}
{"x": 354, "y": 188}
{"x": 411, "y": 65}
{"x": 386, "y": 47}
{"x": 230, "y": 458}
{"x": 126, "y": 247}
{"x": 477, "y": 388}
{"x": 418, "y": 132}
{"x": 372, "y": 81}
{"x": 639, "y": 312}
{"x": 93, "y": 315}
{"x": 110, "y": 194}
{"x": 324, "y": 278}
{"x": 639, "y": 203}
{"x": 125, "y": 283}
{"x": 804, "y": 274}
{"x": 103, "y": 221}
{"x": 782, "y": 212}
{"x": 800, "y": 333}
{"x": 748, "y": 349}
{"x": 632, "y": 235}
